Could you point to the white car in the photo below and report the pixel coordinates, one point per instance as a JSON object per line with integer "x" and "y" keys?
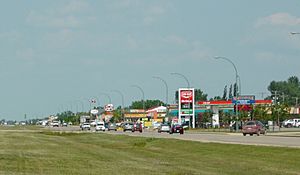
{"x": 298, "y": 124}
{"x": 85, "y": 126}
{"x": 55, "y": 124}
{"x": 100, "y": 126}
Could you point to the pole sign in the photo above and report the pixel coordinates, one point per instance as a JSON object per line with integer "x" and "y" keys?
{"x": 186, "y": 103}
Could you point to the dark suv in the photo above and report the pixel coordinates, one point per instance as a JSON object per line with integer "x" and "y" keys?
{"x": 176, "y": 128}
{"x": 138, "y": 127}
{"x": 254, "y": 127}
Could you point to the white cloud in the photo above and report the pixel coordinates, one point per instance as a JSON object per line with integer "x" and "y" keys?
{"x": 27, "y": 55}
{"x": 174, "y": 39}
{"x": 61, "y": 17}
{"x": 279, "y": 19}
{"x": 75, "y": 7}
{"x": 268, "y": 57}
{"x": 132, "y": 43}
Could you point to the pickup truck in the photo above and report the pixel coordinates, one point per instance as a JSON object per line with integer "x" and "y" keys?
{"x": 290, "y": 123}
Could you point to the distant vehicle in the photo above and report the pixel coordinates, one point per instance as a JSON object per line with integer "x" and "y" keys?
{"x": 254, "y": 127}
{"x": 112, "y": 126}
{"x": 290, "y": 123}
{"x": 55, "y": 124}
{"x": 176, "y": 128}
{"x": 85, "y": 126}
{"x": 128, "y": 127}
{"x": 93, "y": 123}
{"x": 138, "y": 127}
{"x": 156, "y": 125}
{"x": 164, "y": 128}
{"x": 23, "y": 123}
{"x": 65, "y": 124}
{"x": 100, "y": 126}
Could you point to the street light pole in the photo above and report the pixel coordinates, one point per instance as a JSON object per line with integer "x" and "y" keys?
{"x": 122, "y": 107}
{"x": 184, "y": 77}
{"x": 167, "y": 88}
{"x": 107, "y": 95}
{"x": 294, "y": 33}
{"x": 143, "y": 94}
{"x": 236, "y": 83}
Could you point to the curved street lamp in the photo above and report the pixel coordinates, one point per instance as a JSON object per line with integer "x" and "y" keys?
{"x": 184, "y": 77}
{"x": 122, "y": 107}
{"x": 167, "y": 89}
{"x": 294, "y": 33}
{"x": 143, "y": 94}
{"x": 107, "y": 95}
{"x": 236, "y": 83}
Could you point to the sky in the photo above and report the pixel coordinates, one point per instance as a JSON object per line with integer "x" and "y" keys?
{"x": 55, "y": 55}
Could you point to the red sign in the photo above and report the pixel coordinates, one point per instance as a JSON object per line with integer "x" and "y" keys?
{"x": 186, "y": 96}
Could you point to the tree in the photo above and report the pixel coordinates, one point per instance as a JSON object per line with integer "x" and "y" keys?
{"x": 216, "y": 98}
{"x": 225, "y": 93}
{"x": 148, "y": 104}
{"x": 235, "y": 90}
{"x": 230, "y": 92}
{"x": 285, "y": 91}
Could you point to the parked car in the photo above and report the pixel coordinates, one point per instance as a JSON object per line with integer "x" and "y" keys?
{"x": 290, "y": 123}
{"x": 55, "y": 124}
{"x": 128, "y": 127}
{"x": 176, "y": 128}
{"x": 254, "y": 127}
{"x": 65, "y": 124}
{"x": 100, "y": 126}
{"x": 164, "y": 128}
{"x": 112, "y": 126}
{"x": 93, "y": 123}
{"x": 138, "y": 127}
{"x": 85, "y": 126}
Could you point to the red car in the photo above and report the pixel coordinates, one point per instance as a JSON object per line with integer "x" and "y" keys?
{"x": 254, "y": 127}
{"x": 137, "y": 127}
{"x": 176, "y": 128}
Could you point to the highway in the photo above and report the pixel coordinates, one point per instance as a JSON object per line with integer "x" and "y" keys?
{"x": 271, "y": 139}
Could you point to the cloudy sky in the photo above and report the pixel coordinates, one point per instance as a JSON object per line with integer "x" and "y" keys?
{"x": 57, "y": 54}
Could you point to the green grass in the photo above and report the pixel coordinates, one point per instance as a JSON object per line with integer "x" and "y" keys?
{"x": 45, "y": 152}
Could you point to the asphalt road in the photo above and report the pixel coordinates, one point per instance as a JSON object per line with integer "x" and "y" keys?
{"x": 217, "y": 137}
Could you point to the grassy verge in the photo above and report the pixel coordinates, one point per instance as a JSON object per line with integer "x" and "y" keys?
{"x": 48, "y": 152}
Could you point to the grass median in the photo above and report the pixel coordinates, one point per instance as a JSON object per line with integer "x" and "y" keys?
{"x": 45, "y": 152}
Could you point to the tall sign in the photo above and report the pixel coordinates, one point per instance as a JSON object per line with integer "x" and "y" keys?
{"x": 186, "y": 104}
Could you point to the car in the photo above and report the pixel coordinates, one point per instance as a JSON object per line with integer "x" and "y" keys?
{"x": 138, "y": 127}
{"x": 254, "y": 127}
{"x": 100, "y": 126}
{"x": 93, "y": 123}
{"x": 65, "y": 124}
{"x": 85, "y": 126}
{"x": 112, "y": 126}
{"x": 290, "y": 123}
{"x": 164, "y": 128}
{"x": 298, "y": 124}
{"x": 128, "y": 127}
{"x": 176, "y": 128}
{"x": 55, "y": 124}
{"x": 156, "y": 125}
